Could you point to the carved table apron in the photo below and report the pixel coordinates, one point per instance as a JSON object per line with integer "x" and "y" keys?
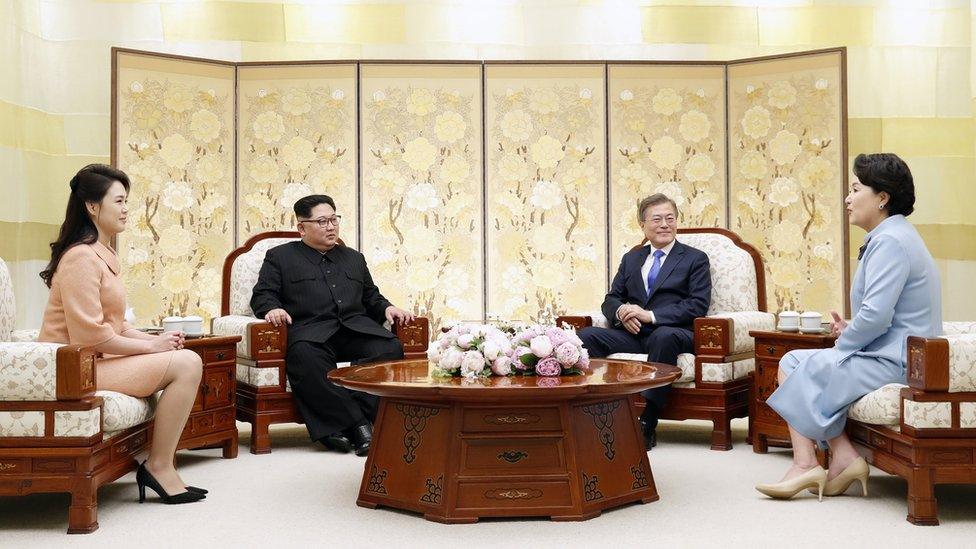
{"x": 456, "y": 450}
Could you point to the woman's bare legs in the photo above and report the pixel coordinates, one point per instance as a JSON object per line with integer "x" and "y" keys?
{"x": 179, "y": 386}
{"x": 842, "y": 454}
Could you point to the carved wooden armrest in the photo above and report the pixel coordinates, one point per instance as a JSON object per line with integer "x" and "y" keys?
{"x": 578, "y": 322}
{"x": 414, "y": 335}
{"x": 713, "y": 337}
{"x": 76, "y": 372}
{"x": 928, "y": 364}
{"x": 268, "y": 342}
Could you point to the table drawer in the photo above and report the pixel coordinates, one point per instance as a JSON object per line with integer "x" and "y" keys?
{"x": 17, "y": 466}
{"x": 489, "y": 420}
{"x": 219, "y": 354}
{"x": 513, "y": 494}
{"x": 511, "y": 456}
{"x": 772, "y": 350}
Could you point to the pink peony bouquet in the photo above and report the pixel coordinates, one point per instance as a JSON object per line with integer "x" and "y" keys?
{"x": 548, "y": 351}
{"x": 471, "y": 351}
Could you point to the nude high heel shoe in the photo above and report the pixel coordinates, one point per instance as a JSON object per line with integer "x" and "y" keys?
{"x": 857, "y": 470}
{"x": 813, "y": 478}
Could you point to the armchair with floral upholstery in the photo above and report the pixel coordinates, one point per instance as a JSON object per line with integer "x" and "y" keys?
{"x": 716, "y": 380}
{"x": 57, "y": 433}
{"x": 925, "y": 432}
{"x": 263, "y": 392}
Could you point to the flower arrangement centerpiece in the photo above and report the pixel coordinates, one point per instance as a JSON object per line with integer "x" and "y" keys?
{"x": 548, "y": 351}
{"x": 471, "y": 351}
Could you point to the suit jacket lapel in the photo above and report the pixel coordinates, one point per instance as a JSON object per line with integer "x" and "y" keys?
{"x": 672, "y": 259}
{"x": 636, "y": 282}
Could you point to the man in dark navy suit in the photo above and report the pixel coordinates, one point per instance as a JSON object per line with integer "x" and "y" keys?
{"x": 659, "y": 290}
{"x": 323, "y": 291}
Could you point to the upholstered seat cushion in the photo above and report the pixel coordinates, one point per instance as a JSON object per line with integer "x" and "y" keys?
{"x": 879, "y": 407}
{"x": 123, "y": 411}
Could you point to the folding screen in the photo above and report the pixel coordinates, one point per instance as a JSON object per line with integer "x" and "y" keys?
{"x": 420, "y": 142}
{"x": 788, "y": 172}
{"x": 174, "y": 135}
{"x": 297, "y": 137}
{"x": 545, "y": 181}
{"x": 480, "y": 189}
{"x": 667, "y": 135}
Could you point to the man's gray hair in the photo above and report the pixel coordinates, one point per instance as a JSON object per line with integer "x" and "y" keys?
{"x": 654, "y": 200}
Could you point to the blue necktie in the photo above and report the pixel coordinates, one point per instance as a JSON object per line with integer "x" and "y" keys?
{"x": 655, "y": 269}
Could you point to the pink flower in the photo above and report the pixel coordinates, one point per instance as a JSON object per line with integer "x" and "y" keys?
{"x": 517, "y": 357}
{"x": 567, "y": 354}
{"x": 547, "y": 381}
{"x": 548, "y": 367}
{"x": 558, "y": 336}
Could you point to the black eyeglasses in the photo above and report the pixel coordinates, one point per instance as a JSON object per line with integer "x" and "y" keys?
{"x": 324, "y": 222}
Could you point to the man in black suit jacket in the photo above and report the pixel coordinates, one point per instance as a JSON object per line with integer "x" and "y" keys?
{"x": 659, "y": 290}
{"x": 323, "y": 291}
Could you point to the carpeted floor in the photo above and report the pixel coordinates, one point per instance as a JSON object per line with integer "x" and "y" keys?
{"x": 301, "y": 494}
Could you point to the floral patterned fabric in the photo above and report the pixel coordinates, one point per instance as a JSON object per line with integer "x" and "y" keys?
{"x": 7, "y": 304}
{"x": 962, "y": 363}
{"x": 24, "y": 336}
{"x": 967, "y": 415}
{"x": 21, "y": 424}
{"x": 727, "y": 371}
{"x": 28, "y": 371}
{"x": 958, "y": 328}
{"x": 879, "y": 407}
{"x": 733, "y": 273}
{"x": 236, "y": 325}
{"x": 84, "y": 423}
{"x": 928, "y": 415}
{"x": 244, "y": 275}
{"x": 257, "y": 377}
{"x": 124, "y": 411}
{"x": 742, "y": 323}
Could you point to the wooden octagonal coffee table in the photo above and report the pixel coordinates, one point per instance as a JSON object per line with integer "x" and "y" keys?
{"x": 457, "y": 450}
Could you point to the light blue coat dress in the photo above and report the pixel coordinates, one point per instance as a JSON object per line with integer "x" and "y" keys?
{"x": 896, "y": 293}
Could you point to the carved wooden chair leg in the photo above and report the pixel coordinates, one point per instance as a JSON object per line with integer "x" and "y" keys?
{"x": 230, "y": 447}
{"x": 83, "y": 512}
{"x": 260, "y": 439}
{"x": 721, "y": 432}
{"x": 922, "y": 508}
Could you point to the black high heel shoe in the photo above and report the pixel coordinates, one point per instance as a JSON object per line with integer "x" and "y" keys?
{"x": 144, "y": 478}
{"x": 197, "y": 490}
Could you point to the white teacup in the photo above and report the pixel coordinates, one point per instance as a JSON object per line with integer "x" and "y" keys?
{"x": 810, "y": 321}
{"x": 789, "y": 321}
{"x": 193, "y": 325}
{"x": 173, "y": 324}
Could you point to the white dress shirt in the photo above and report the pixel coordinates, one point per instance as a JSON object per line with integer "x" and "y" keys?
{"x": 646, "y": 268}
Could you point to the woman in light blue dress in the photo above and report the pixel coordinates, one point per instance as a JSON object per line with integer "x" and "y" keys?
{"x": 896, "y": 293}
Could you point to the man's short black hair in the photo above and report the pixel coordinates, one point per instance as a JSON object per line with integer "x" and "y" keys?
{"x": 304, "y": 205}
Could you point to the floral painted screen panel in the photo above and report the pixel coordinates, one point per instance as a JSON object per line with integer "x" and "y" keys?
{"x": 546, "y": 231}
{"x": 296, "y": 137}
{"x": 787, "y": 176}
{"x": 175, "y": 139}
{"x": 421, "y": 187}
{"x": 667, "y": 135}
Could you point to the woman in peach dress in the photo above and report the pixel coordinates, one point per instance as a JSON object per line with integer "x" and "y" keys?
{"x": 86, "y": 307}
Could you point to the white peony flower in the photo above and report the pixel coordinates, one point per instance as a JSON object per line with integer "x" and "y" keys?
{"x": 821, "y": 84}
{"x": 472, "y": 363}
{"x": 756, "y": 122}
{"x": 422, "y": 197}
{"x": 666, "y": 102}
{"x": 291, "y": 194}
{"x": 545, "y": 195}
{"x": 694, "y": 126}
{"x": 783, "y": 192}
{"x": 585, "y": 93}
{"x": 666, "y": 152}
{"x": 136, "y": 87}
{"x": 298, "y": 153}
{"x": 699, "y": 168}
{"x": 491, "y": 350}
{"x": 541, "y": 346}
{"x": 205, "y": 126}
{"x": 378, "y": 96}
{"x": 451, "y": 360}
{"x": 516, "y": 125}
{"x": 784, "y": 147}
{"x": 419, "y": 154}
{"x": 338, "y": 95}
{"x": 782, "y": 94}
{"x": 449, "y": 127}
{"x": 176, "y": 151}
{"x": 626, "y": 95}
{"x": 547, "y": 152}
{"x": 502, "y": 366}
{"x": 672, "y": 190}
{"x": 177, "y": 196}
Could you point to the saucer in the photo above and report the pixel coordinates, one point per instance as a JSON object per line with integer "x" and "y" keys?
{"x": 813, "y": 330}
{"x": 788, "y": 328}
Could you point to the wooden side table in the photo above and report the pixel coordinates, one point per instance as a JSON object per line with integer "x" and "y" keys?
{"x": 212, "y": 422}
{"x": 766, "y": 426}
